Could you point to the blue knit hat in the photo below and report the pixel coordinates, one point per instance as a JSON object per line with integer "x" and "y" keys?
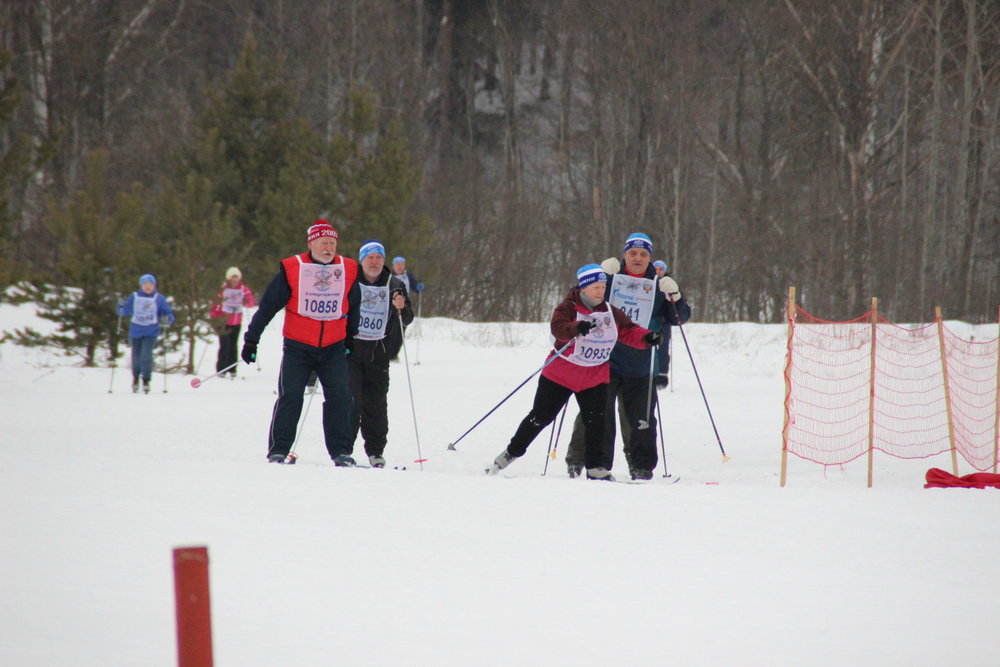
{"x": 589, "y": 274}
{"x": 370, "y": 246}
{"x": 639, "y": 241}
{"x": 147, "y": 278}
{"x": 398, "y": 258}
{"x": 660, "y": 264}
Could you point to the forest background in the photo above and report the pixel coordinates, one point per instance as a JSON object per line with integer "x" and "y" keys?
{"x": 849, "y": 148}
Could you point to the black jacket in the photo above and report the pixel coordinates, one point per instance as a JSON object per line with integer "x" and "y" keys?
{"x": 372, "y": 352}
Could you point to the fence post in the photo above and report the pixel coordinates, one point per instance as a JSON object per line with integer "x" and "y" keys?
{"x": 790, "y": 317}
{"x": 996, "y": 418}
{"x": 871, "y": 394}
{"x": 194, "y": 614}
{"x": 947, "y": 389}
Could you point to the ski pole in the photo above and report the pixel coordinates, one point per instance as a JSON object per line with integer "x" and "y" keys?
{"x": 164, "y": 359}
{"x": 554, "y": 445}
{"x": 451, "y": 446}
{"x": 292, "y": 456}
{"x": 114, "y": 359}
{"x": 677, "y": 319}
{"x": 420, "y": 332}
{"x": 413, "y": 408}
{"x": 201, "y": 358}
{"x": 663, "y": 447}
{"x": 644, "y": 423}
{"x": 195, "y": 382}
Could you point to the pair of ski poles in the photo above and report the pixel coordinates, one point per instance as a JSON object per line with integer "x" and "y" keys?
{"x": 650, "y": 402}
{"x": 114, "y": 362}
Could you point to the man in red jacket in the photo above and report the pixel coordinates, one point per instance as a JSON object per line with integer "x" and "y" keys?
{"x": 317, "y": 289}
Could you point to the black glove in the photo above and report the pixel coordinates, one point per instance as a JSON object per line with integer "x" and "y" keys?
{"x": 653, "y": 338}
{"x": 661, "y": 380}
{"x": 249, "y": 353}
{"x": 583, "y": 327}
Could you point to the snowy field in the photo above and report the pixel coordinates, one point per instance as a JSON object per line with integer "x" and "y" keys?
{"x": 312, "y": 565}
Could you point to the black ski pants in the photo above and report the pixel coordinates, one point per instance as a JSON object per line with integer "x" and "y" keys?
{"x": 549, "y": 399}
{"x": 369, "y": 387}
{"x": 229, "y": 341}
{"x": 297, "y": 362}
{"x": 632, "y": 395}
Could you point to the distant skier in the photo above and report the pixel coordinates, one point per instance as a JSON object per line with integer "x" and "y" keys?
{"x": 227, "y": 315}
{"x": 148, "y": 309}
{"x": 383, "y": 301}
{"x": 410, "y": 281}
{"x": 594, "y": 326}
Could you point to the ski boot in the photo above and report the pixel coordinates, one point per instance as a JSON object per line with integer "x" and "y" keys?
{"x": 601, "y": 474}
{"x": 344, "y": 461}
{"x": 502, "y": 460}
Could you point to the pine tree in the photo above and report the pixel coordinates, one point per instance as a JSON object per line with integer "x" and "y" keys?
{"x": 91, "y": 254}
{"x": 370, "y": 169}
{"x": 196, "y": 241}
{"x": 261, "y": 158}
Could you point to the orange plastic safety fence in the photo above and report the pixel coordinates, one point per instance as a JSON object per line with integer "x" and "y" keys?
{"x": 836, "y": 411}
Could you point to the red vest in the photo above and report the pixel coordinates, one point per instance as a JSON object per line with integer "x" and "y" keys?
{"x": 304, "y": 328}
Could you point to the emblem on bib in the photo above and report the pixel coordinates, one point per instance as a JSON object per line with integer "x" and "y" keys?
{"x": 323, "y": 280}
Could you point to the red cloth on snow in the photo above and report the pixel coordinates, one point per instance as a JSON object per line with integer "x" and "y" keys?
{"x": 979, "y": 480}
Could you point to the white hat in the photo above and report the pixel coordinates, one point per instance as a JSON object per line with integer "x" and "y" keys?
{"x": 233, "y": 272}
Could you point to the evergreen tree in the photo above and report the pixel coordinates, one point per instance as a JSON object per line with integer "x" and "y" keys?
{"x": 195, "y": 241}
{"x": 373, "y": 178}
{"x": 261, "y": 158}
{"x": 92, "y": 251}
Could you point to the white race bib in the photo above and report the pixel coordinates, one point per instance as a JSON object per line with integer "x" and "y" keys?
{"x": 144, "y": 310}
{"x": 635, "y": 296}
{"x": 321, "y": 290}
{"x": 374, "y": 312}
{"x": 232, "y": 300}
{"x": 595, "y": 348}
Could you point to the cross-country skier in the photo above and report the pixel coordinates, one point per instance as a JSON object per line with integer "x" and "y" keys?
{"x": 594, "y": 326}
{"x": 148, "y": 309}
{"x": 652, "y": 302}
{"x": 318, "y": 290}
{"x": 227, "y": 314}
{"x": 377, "y": 321}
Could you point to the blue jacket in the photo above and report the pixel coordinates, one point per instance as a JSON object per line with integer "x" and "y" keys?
{"x": 163, "y": 310}
{"x": 630, "y": 362}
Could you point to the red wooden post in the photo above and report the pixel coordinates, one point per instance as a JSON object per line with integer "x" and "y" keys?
{"x": 194, "y": 613}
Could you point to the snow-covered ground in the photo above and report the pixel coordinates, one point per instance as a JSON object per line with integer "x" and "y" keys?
{"x": 312, "y": 565}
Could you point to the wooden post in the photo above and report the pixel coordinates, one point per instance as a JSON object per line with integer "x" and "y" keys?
{"x": 871, "y": 394}
{"x": 947, "y": 390}
{"x": 194, "y": 614}
{"x": 790, "y": 317}
{"x": 996, "y": 404}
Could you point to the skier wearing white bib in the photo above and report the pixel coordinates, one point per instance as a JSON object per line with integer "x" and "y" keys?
{"x": 651, "y": 302}
{"x": 594, "y": 326}
{"x": 147, "y": 309}
{"x": 384, "y": 301}
{"x": 317, "y": 290}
